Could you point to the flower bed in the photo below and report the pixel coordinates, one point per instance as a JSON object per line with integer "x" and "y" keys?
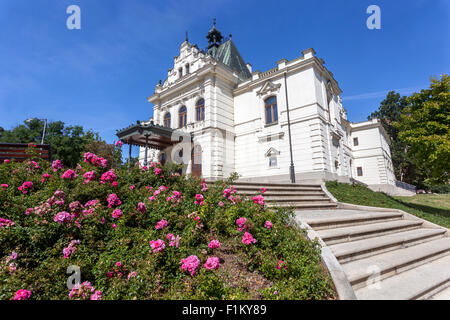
{"x": 146, "y": 233}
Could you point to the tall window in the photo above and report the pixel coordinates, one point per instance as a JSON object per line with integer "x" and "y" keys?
{"x": 355, "y": 142}
{"x": 271, "y": 110}
{"x": 180, "y": 72}
{"x": 187, "y": 68}
{"x": 200, "y": 110}
{"x": 167, "y": 120}
{"x": 182, "y": 117}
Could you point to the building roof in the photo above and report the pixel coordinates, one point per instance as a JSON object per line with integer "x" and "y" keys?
{"x": 228, "y": 54}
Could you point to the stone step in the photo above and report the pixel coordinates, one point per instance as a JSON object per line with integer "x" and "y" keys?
{"x": 352, "y": 233}
{"x": 257, "y": 189}
{"x": 441, "y": 293}
{"x": 395, "y": 262}
{"x": 304, "y": 205}
{"x": 296, "y": 199}
{"x": 350, "y": 251}
{"x": 412, "y": 284}
{"x": 284, "y": 193}
{"x": 352, "y": 220}
{"x": 273, "y": 184}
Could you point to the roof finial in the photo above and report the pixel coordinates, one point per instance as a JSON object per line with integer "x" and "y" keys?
{"x": 186, "y": 37}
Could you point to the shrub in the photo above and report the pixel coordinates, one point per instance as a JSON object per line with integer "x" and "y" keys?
{"x": 129, "y": 231}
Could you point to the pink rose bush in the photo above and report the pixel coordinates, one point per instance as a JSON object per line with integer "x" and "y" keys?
{"x": 69, "y": 174}
{"x": 95, "y": 160}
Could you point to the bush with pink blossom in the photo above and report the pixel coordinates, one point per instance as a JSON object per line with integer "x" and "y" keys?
{"x": 144, "y": 234}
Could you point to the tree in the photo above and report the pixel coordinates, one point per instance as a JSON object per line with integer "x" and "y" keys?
{"x": 424, "y": 127}
{"x": 388, "y": 112}
{"x": 67, "y": 143}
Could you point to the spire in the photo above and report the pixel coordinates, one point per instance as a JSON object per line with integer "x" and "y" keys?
{"x": 186, "y": 39}
{"x": 214, "y": 36}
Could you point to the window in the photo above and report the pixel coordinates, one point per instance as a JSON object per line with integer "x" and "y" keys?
{"x": 187, "y": 68}
{"x": 180, "y": 72}
{"x": 162, "y": 158}
{"x": 200, "y": 110}
{"x": 271, "y": 110}
{"x": 355, "y": 142}
{"x": 182, "y": 117}
{"x": 167, "y": 120}
{"x": 273, "y": 162}
{"x": 359, "y": 171}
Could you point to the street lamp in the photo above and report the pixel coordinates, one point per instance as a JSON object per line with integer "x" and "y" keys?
{"x": 45, "y": 126}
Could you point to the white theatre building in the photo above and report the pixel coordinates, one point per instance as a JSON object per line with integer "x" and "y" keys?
{"x": 238, "y": 120}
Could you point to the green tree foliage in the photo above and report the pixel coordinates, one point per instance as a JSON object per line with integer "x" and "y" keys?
{"x": 390, "y": 111}
{"x": 67, "y": 142}
{"x": 424, "y": 127}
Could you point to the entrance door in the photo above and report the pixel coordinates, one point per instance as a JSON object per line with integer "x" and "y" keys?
{"x": 196, "y": 159}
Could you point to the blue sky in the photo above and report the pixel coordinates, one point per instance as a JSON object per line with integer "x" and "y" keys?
{"x": 100, "y": 76}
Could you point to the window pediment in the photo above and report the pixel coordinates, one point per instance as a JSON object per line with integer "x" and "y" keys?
{"x": 268, "y": 88}
{"x": 272, "y": 152}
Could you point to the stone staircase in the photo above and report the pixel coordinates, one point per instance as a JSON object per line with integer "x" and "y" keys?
{"x": 297, "y": 196}
{"x": 386, "y": 255}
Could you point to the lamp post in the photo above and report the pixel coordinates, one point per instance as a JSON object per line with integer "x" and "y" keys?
{"x": 291, "y": 168}
{"x": 45, "y": 126}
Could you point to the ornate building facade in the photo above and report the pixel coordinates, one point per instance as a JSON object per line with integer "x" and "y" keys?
{"x": 237, "y": 120}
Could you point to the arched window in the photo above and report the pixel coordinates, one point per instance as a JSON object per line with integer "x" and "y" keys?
{"x": 167, "y": 120}
{"x": 200, "y": 110}
{"x": 182, "y": 117}
{"x": 271, "y": 110}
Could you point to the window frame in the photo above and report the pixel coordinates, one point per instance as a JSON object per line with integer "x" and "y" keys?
{"x": 182, "y": 115}
{"x": 355, "y": 139}
{"x": 200, "y": 110}
{"x": 167, "y": 120}
{"x": 273, "y": 110}
{"x": 358, "y": 171}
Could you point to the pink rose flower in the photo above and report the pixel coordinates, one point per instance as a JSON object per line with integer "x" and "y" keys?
{"x": 247, "y": 238}
{"x": 212, "y": 263}
{"x": 117, "y": 213}
{"x": 22, "y": 294}
{"x": 161, "y": 224}
{"x": 268, "y": 225}
{"x": 141, "y": 207}
{"x": 190, "y": 264}
{"x": 214, "y": 244}
{"x": 157, "y": 245}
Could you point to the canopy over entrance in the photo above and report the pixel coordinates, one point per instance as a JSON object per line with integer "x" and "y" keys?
{"x": 148, "y": 135}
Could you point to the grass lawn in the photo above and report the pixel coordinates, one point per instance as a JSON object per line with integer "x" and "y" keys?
{"x": 432, "y": 207}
